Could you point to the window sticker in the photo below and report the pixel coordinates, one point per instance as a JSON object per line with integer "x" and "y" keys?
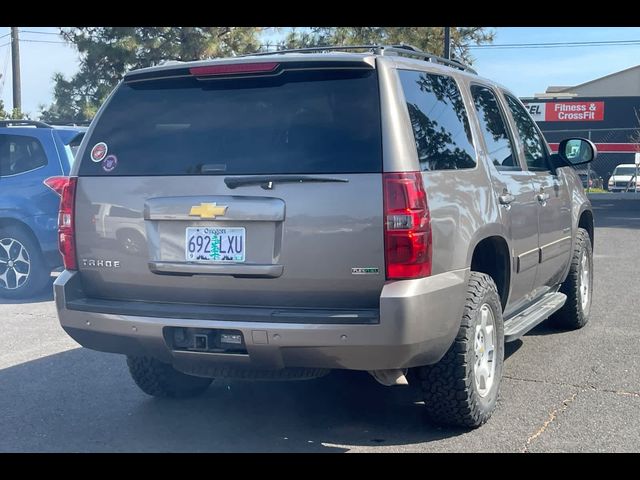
{"x": 110, "y": 163}
{"x": 99, "y": 152}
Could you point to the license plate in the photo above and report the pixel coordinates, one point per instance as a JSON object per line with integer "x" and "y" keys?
{"x": 211, "y": 244}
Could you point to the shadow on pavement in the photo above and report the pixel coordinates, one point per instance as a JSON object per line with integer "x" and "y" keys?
{"x": 545, "y": 328}
{"x": 511, "y": 348}
{"x": 93, "y": 405}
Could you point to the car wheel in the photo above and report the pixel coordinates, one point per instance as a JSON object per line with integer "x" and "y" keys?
{"x": 162, "y": 380}
{"x": 578, "y": 286}
{"x": 23, "y": 271}
{"x": 462, "y": 388}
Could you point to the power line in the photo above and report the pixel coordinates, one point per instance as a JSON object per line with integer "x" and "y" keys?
{"x": 5, "y": 35}
{"x": 557, "y": 44}
{"x": 42, "y": 41}
{"x": 39, "y": 33}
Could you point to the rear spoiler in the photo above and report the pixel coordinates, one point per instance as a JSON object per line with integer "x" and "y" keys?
{"x": 235, "y": 69}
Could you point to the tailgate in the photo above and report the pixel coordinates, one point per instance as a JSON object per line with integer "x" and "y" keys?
{"x": 257, "y": 191}
{"x": 300, "y": 243}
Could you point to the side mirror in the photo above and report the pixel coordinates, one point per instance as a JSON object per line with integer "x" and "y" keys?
{"x": 577, "y": 151}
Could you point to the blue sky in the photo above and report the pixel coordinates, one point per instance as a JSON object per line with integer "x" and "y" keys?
{"x": 526, "y": 71}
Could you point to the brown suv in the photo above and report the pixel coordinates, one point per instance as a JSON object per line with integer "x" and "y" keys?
{"x": 296, "y": 212}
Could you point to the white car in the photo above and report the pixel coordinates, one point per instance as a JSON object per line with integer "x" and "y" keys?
{"x": 622, "y": 177}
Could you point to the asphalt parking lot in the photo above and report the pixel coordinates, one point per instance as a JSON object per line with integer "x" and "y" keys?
{"x": 562, "y": 391}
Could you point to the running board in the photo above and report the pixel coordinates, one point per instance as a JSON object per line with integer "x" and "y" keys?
{"x": 522, "y": 322}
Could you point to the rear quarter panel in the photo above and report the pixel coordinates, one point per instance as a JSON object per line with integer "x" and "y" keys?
{"x": 463, "y": 205}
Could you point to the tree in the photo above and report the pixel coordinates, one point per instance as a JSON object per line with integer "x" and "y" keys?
{"x": 106, "y": 53}
{"x": 14, "y": 114}
{"x": 429, "y": 39}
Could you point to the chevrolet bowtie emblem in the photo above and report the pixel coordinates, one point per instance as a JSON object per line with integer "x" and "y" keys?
{"x": 208, "y": 210}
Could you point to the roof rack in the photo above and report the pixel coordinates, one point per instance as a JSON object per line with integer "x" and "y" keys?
{"x": 400, "y": 49}
{"x": 24, "y": 123}
{"x": 70, "y": 124}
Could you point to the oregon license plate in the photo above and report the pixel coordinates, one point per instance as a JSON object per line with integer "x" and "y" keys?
{"x": 212, "y": 244}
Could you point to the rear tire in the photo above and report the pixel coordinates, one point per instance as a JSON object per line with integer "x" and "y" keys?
{"x": 574, "y": 314}
{"x": 162, "y": 380}
{"x": 20, "y": 255}
{"x": 462, "y": 388}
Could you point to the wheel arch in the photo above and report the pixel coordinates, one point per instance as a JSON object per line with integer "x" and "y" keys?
{"x": 14, "y": 222}
{"x": 490, "y": 255}
{"x": 585, "y": 220}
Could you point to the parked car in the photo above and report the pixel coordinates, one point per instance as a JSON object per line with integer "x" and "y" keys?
{"x": 589, "y": 178}
{"x": 30, "y": 152}
{"x": 386, "y": 211}
{"x": 623, "y": 178}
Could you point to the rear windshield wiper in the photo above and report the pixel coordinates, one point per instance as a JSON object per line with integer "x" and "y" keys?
{"x": 267, "y": 181}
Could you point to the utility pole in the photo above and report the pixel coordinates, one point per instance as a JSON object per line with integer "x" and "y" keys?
{"x": 447, "y": 43}
{"x": 15, "y": 69}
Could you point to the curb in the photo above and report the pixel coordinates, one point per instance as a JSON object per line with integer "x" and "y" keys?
{"x": 614, "y": 196}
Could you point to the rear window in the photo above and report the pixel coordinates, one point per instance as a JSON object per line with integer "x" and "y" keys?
{"x": 20, "y": 154}
{"x": 320, "y": 121}
{"x": 439, "y": 121}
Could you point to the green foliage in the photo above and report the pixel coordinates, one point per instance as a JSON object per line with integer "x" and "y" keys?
{"x": 106, "y": 53}
{"x": 14, "y": 114}
{"x": 429, "y": 39}
{"x": 17, "y": 114}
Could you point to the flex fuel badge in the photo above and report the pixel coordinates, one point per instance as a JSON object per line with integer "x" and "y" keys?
{"x": 365, "y": 271}
{"x": 99, "y": 151}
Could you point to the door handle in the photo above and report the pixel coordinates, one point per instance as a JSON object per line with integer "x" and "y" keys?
{"x": 506, "y": 199}
{"x": 542, "y": 197}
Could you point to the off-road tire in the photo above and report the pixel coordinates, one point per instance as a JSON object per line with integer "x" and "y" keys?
{"x": 572, "y": 316}
{"x": 39, "y": 272}
{"x": 162, "y": 380}
{"x": 448, "y": 387}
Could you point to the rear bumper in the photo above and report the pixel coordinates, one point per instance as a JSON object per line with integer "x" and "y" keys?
{"x": 417, "y": 322}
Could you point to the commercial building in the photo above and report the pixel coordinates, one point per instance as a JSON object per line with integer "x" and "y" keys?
{"x": 605, "y": 110}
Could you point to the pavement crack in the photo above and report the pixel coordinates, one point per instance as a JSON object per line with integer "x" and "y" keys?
{"x": 623, "y": 393}
{"x": 552, "y": 416}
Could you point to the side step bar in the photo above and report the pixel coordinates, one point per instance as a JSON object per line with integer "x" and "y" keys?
{"x": 519, "y": 324}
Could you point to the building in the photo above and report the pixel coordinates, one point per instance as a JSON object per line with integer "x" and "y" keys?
{"x": 605, "y": 110}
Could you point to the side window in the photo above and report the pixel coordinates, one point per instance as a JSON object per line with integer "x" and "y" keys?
{"x": 439, "y": 120}
{"x": 534, "y": 149}
{"x": 20, "y": 154}
{"x": 499, "y": 146}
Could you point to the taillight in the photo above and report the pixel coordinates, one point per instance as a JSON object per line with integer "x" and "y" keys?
{"x": 57, "y": 184}
{"x": 407, "y": 226}
{"x": 66, "y": 225}
{"x": 234, "y": 68}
